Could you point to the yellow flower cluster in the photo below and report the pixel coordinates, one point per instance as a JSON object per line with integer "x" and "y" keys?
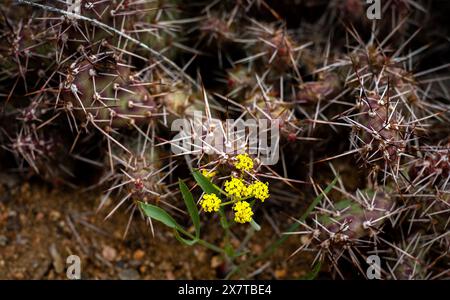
{"x": 236, "y": 188}
{"x": 242, "y": 212}
{"x": 208, "y": 173}
{"x": 237, "y": 191}
{"x": 244, "y": 162}
{"x": 258, "y": 190}
{"x": 210, "y": 203}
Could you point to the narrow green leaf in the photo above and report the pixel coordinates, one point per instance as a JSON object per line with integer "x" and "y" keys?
{"x": 191, "y": 206}
{"x": 294, "y": 226}
{"x": 314, "y": 272}
{"x": 206, "y": 185}
{"x": 229, "y": 251}
{"x": 183, "y": 240}
{"x": 162, "y": 216}
{"x": 223, "y": 218}
{"x": 255, "y": 225}
{"x": 159, "y": 214}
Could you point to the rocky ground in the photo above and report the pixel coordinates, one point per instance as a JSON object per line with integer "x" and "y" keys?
{"x": 40, "y": 226}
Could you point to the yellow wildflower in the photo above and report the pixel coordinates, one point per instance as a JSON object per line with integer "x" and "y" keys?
{"x": 210, "y": 202}
{"x": 235, "y": 188}
{"x": 208, "y": 173}
{"x": 243, "y": 212}
{"x": 244, "y": 162}
{"x": 258, "y": 190}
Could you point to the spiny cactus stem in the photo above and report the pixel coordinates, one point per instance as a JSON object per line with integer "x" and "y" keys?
{"x": 116, "y": 31}
{"x": 91, "y": 120}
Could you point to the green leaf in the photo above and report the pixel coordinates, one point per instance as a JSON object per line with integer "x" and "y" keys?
{"x": 162, "y": 216}
{"x": 229, "y": 251}
{"x": 191, "y": 206}
{"x": 255, "y": 225}
{"x": 159, "y": 214}
{"x": 223, "y": 219}
{"x": 206, "y": 185}
{"x": 314, "y": 272}
{"x": 183, "y": 240}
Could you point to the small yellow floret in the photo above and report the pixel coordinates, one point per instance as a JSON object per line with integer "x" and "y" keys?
{"x": 258, "y": 190}
{"x": 243, "y": 212}
{"x": 244, "y": 162}
{"x": 235, "y": 188}
{"x": 210, "y": 203}
{"x": 208, "y": 173}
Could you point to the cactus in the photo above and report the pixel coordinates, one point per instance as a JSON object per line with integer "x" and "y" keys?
{"x": 100, "y": 84}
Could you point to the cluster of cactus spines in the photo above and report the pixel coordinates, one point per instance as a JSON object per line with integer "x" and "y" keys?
{"x": 100, "y": 82}
{"x": 341, "y": 229}
{"x": 431, "y": 169}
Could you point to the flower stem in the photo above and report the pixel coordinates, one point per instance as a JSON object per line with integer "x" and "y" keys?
{"x": 202, "y": 242}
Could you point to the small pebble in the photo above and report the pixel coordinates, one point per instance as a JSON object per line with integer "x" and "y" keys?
{"x": 58, "y": 263}
{"x": 55, "y": 215}
{"x": 138, "y": 254}
{"x": 216, "y": 261}
{"x": 109, "y": 253}
{"x": 280, "y": 273}
{"x": 3, "y": 240}
{"x": 129, "y": 274}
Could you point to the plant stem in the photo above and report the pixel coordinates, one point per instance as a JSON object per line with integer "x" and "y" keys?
{"x": 202, "y": 242}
